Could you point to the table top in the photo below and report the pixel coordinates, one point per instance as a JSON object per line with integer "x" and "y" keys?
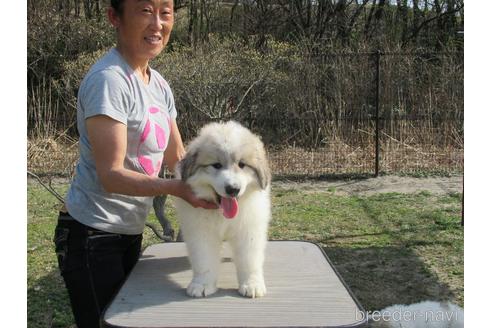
{"x": 303, "y": 290}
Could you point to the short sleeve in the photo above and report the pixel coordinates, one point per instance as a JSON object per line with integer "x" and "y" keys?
{"x": 107, "y": 93}
{"x": 172, "y": 108}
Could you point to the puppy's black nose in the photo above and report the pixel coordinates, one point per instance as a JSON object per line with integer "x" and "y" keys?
{"x": 231, "y": 191}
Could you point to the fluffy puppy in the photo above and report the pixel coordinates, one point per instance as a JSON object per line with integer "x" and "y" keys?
{"x": 226, "y": 164}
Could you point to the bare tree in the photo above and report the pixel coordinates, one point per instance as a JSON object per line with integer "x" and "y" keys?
{"x": 64, "y": 8}
{"x": 357, "y": 13}
{"x": 200, "y": 18}
{"x": 261, "y": 18}
{"x": 91, "y": 8}
{"x": 439, "y": 14}
{"x": 77, "y": 7}
{"x": 374, "y": 22}
{"x": 308, "y": 19}
{"x": 346, "y": 16}
{"x": 402, "y": 17}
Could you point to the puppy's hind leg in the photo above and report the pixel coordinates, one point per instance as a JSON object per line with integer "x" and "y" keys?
{"x": 204, "y": 256}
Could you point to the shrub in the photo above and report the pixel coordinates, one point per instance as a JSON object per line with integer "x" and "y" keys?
{"x": 227, "y": 79}
{"x": 53, "y": 40}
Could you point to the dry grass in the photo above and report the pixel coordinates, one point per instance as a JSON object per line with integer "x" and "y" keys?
{"x": 343, "y": 159}
{"x": 57, "y": 157}
{"x": 335, "y": 159}
{"x": 52, "y": 156}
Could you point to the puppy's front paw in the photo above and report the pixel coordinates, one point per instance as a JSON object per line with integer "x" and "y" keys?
{"x": 200, "y": 290}
{"x": 253, "y": 288}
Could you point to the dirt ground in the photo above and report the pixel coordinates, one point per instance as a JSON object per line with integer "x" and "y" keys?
{"x": 383, "y": 184}
{"x": 369, "y": 186}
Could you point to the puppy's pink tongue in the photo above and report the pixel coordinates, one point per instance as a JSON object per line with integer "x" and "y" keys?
{"x": 229, "y": 207}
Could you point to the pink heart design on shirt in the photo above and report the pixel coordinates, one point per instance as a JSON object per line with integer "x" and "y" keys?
{"x": 145, "y": 132}
{"x": 147, "y": 164}
{"x": 160, "y": 136}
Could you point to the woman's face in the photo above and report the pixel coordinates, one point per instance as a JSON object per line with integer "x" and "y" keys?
{"x": 144, "y": 28}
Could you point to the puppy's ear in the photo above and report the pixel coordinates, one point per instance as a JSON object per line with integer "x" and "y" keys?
{"x": 262, "y": 171}
{"x": 187, "y": 166}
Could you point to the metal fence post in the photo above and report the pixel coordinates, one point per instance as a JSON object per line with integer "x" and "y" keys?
{"x": 378, "y": 94}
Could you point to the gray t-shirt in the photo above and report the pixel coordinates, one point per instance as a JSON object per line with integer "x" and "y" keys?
{"x": 112, "y": 88}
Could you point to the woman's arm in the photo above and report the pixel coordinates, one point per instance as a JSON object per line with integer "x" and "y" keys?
{"x": 175, "y": 150}
{"x": 108, "y": 140}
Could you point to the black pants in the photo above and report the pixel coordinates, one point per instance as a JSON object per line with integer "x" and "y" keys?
{"x": 93, "y": 264}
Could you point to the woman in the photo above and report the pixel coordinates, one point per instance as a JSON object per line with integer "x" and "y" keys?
{"x": 126, "y": 120}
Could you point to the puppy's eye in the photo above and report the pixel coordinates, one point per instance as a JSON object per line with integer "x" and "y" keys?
{"x": 217, "y": 166}
{"x": 241, "y": 165}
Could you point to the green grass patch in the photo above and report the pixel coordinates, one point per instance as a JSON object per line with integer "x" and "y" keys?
{"x": 389, "y": 248}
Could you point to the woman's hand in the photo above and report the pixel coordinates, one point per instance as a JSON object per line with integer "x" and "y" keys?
{"x": 183, "y": 190}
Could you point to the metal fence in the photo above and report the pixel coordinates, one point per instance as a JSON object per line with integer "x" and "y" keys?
{"x": 335, "y": 114}
{"x": 357, "y": 113}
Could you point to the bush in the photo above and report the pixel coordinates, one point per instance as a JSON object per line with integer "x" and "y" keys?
{"x": 54, "y": 39}
{"x": 54, "y": 44}
{"x": 285, "y": 94}
{"x": 228, "y": 79}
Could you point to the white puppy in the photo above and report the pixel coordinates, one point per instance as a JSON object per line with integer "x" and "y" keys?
{"x": 226, "y": 164}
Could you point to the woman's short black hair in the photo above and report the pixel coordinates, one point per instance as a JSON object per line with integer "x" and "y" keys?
{"x": 117, "y": 5}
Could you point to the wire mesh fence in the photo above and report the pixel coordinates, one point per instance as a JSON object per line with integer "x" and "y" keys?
{"x": 324, "y": 114}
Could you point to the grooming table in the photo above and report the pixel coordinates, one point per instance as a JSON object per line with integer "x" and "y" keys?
{"x": 303, "y": 290}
